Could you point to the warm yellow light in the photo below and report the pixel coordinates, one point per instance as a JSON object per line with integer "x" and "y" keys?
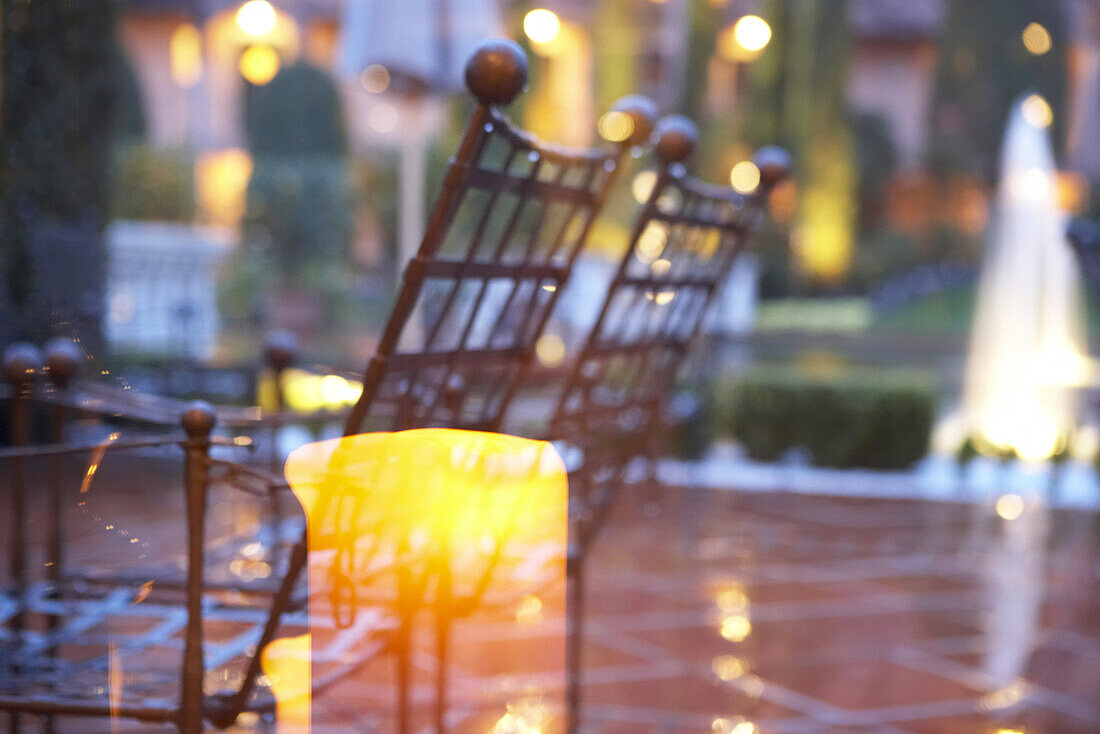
{"x": 728, "y": 667}
{"x": 744, "y": 40}
{"x": 616, "y": 126}
{"x": 550, "y": 350}
{"x": 375, "y": 78}
{"x": 185, "y": 55}
{"x": 1071, "y": 190}
{"x": 651, "y": 243}
{"x": 642, "y": 186}
{"x": 307, "y": 392}
{"x": 523, "y": 717}
{"x": 286, "y": 665}
{"x": 735, "y": 627}
{"x": 541, "y": 25}
{"x": 733, "y": 599}
{"x": 1036, "y": 39}
{"x": 1036, "y": 110}
{"x": 1005, "y": 697}
{"x": 423, "y": 499}
{"x": 660, "y": 266}
{"x": 661, "y": 298}
{"x": 752, "y": 33}
{"x": 732, "y": 726}
{"x": 221, "y": 185}
{"x": 259, "y": 64}
{"x": 745, "y": 177}
{"x": 1010, "y": 506}
{"x": 256, "y": 18}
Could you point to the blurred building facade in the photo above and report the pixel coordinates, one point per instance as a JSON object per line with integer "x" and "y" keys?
{"x": 197, "y": 62}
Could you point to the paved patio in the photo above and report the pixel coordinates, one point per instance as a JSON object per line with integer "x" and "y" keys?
{"x": 728, "y": 612}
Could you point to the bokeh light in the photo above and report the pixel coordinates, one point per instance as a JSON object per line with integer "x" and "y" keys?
{"x": 1036, "y": 39}
{"x": 382, "y": 118}
{"x": 550, "y": 350}
{"x": 642, "y": 186}
{"x": 375, "y": 78}
{"x": 735, "y": 627}
{"x": 185, "y": 55}
{"x": 616, "y": 126}
{"x": 752, "y": 33}
{"x": 256, "y": 18}
{"x": 728, "y": 667}
{"x": 1036, "y": 110}
{"x": 1010, "y": 506}
{"x": 745, "y": 177}
{"x": 259, "y": 64}
{"x": 541, "y": 25}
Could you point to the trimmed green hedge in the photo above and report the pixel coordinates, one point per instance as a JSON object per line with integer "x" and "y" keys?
{"x": 879, "y": 419}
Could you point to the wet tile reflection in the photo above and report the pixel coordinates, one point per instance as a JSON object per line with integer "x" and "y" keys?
{"x": 792, "y": 613}
{"x": 781, "y": 612}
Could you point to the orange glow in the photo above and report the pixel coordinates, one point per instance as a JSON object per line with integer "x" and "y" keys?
{"x": 454, "y": 524}
{"x": 431, "y": 491}
{"x": 185, "y": 54}
{"x": 1071, "y": 189}
{"x": 286, "y": 664}
{"x": 259, "y": 64}
{"x": 221, "y": 185}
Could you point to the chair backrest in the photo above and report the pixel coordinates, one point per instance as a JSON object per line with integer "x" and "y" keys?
{"x": 683, "y": 244}
{"x": 499, "y": 246}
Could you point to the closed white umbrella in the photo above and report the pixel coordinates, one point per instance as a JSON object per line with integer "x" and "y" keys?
{"x": 427, "y": 40}
{"x": 423, "y": 45}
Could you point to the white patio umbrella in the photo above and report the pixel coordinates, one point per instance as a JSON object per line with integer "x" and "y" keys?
{"x": 423, "y": 44}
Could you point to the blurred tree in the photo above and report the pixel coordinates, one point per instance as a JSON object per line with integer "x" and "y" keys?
{"x": 298, "y": 113}
{"x": 60, "y": 85}
{"x": 797, "y": 98}
{"x": 152, "y": 184}
{"x": 298, "y": 222}
{"x": 984, "y": 65}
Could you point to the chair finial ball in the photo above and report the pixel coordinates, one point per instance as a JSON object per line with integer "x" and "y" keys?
{"x": 676, "y": 136}
{"x": 63, "y": 359}
{"x": 774, "y": 164}
{"x": 280, "y": 349}
{"x": 643, "y": 111}
{"x": 497, "y": 71}
{"x": 21, "y": 361}
{"x": 199, "y": 419}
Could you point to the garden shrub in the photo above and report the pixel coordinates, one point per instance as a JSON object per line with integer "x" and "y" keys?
{"x": 152, "y": 184}
{"x": 878, "y": 419}
{"x": 298, "y": 221}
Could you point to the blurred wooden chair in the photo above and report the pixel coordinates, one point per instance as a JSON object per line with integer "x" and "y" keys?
{"x": 513, "y": 214}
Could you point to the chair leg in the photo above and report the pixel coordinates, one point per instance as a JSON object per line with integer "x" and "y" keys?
{"x": 574, "y": 638}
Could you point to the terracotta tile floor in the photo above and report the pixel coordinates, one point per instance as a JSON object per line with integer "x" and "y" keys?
{"x": 862, "y": 615}
{"x": 717, "y": 611}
